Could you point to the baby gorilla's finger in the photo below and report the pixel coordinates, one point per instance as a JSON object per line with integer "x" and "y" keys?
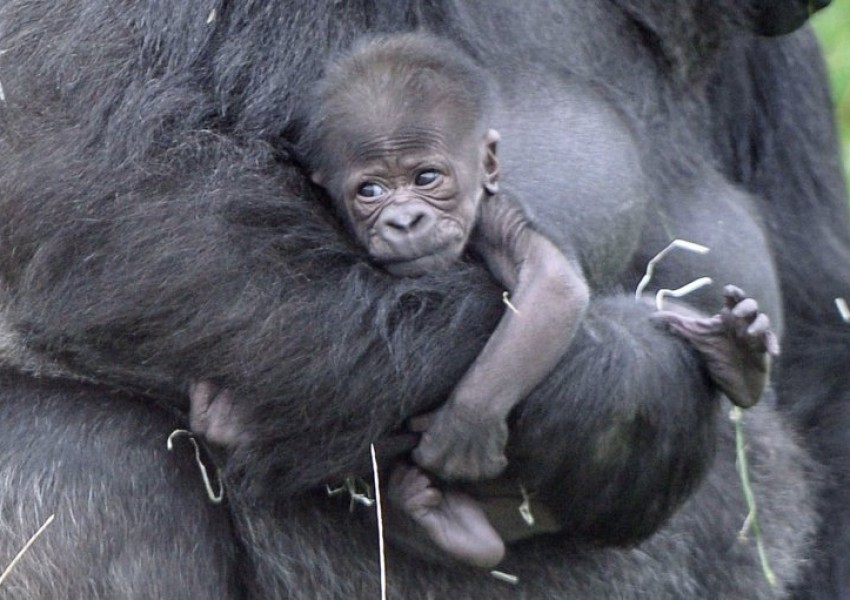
{"x": 771, "y": 342}
{"x": 732, "y": 295}
{"x": 762, "y": 337}
{"x": 759, "y": 326}
{"x": 411, "y": 488}
{"x": 747, "y": 309}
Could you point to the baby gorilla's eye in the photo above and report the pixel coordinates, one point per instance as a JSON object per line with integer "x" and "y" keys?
{"x": 427, "y": 177}
{"x": 370, "y": 189}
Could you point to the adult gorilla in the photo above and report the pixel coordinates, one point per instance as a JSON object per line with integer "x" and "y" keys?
{"x": 154, "y": 233}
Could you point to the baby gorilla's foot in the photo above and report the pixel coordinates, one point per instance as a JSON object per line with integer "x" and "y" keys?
{"x": 736, "y": 344}
{"x": 453, "y": 521}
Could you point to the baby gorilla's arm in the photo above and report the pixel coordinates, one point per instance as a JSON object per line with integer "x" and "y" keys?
{"x": 736, "y": 344}
{"x": 465, "y": 439}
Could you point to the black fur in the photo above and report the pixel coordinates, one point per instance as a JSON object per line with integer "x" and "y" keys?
{"x": 153, "y": 233}
{"x": 811, "y": 260}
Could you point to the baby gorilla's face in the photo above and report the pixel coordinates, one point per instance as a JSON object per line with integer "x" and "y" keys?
{"x": 411, "y": 198}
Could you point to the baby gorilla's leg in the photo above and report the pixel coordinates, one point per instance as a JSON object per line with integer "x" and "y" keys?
{"x": 455, "y": 522}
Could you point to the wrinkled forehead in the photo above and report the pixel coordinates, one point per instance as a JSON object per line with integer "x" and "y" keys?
{"x": 374, "y": 145}
{"x": 378, "y": 132}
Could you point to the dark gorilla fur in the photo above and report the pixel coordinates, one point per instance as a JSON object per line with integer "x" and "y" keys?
{"x": 811, "y": 382}
{"x": 155, "y": 232}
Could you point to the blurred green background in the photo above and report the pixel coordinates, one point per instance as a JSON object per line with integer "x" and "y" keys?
{"x": 833, "y": 27}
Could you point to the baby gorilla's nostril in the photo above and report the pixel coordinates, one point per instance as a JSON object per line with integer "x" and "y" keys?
{"x": 415, "y": 221}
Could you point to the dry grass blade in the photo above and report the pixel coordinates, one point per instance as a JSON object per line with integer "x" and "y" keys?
{"x": 383, "y": 556}
{"x": 26, "y": 547}
{"x": 650, "y": 266}
{"x": 751, "y": 522}
{"x": 506, "y": 577}
{"x": 680, "y": 292}
{"x": 843, "y": 309}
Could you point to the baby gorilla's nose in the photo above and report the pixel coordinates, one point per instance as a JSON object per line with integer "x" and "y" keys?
{"x": 404, "y": 224}
{"x": 407, "y": 222}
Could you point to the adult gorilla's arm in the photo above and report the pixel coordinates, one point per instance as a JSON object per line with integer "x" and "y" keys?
{"x": 147, "y": 244}
{"x": 224, "y": 271}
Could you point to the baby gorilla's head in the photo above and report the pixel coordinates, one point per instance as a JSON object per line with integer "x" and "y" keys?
{"x": 399, "y": 140}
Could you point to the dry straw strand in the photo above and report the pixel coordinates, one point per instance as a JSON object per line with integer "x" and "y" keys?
{"x": 26, "y": 547}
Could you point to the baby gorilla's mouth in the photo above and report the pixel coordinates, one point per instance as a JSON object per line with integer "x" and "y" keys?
{"x": 414, "y": 255}
{"x": 420, "y": 265}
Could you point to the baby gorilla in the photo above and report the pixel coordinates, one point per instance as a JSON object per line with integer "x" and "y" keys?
{"x": 399, "y": 139}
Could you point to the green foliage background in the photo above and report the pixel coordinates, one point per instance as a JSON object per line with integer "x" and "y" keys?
{"x": 833, "y": 27}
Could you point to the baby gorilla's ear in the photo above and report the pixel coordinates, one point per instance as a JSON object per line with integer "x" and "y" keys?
{"x": 318, "y": 178}
{"x": 491, "y": 162}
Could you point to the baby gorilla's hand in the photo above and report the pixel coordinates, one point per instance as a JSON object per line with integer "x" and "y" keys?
{"x": 458, "y": 444}
{"x": 737, "y": 344}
